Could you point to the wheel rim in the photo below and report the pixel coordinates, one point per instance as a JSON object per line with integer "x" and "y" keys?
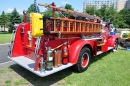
{"x": 84, "y": 60}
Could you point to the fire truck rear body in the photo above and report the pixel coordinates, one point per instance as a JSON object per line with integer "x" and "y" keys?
{"x": 59, "y": 43}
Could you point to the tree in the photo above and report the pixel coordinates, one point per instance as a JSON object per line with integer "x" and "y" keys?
{"x": 8, "y": 16}
{"x": 47, "y": 13}
{"x": 113, "y": 16}
{"x": 14, "y": 19}
{"x": 3, "y": 20}
{"x": 31, "y": 9}
{"x": 21, "y": 16}
{"x": 118, "y": 21}
{"x": 68, "y": 6}
{"x": 103, "y": 12}
{"x": 125, "y": 15}
{"x": 0, "y": 21}
{"x": 91, "y": 10}
{"x": 8, "y": 20}
{"x": 111, "y": 13}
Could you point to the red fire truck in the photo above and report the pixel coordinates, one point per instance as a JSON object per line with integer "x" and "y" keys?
{"x": 49, "y": 44}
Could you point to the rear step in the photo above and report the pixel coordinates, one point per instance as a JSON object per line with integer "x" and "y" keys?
{"x": 30, "y": 64}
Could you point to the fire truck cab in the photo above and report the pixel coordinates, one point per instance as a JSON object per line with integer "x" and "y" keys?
{"x": 49, "y": 44}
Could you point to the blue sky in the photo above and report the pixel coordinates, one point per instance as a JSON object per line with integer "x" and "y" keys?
{"x": 20, "y": 5}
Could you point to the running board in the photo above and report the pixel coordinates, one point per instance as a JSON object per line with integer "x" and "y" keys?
{"x": 100, "y": 52}
{"x": 30, "y": 64}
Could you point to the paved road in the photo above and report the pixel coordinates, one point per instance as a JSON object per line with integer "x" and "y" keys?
{"x": 4, "y": 53}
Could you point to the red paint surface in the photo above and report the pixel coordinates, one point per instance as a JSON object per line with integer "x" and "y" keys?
{"x": 111, "y": 40}
{"x": 22, "y": 46}
{"x": 75, "y": 49}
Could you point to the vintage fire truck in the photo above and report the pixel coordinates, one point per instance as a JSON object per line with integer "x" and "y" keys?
{"x": 49, "y": 44}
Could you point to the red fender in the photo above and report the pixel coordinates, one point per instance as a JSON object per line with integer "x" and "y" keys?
{"x": 75, "y": 49}
{"x": 111, "y": 40}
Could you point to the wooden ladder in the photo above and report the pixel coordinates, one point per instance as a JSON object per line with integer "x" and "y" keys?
{"x": 71, "y": 26}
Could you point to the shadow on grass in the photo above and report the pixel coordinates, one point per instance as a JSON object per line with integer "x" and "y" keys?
{"x": 41, "y": 81}
{"x": 51, "y": 79}
{"x": 99, "y": 57}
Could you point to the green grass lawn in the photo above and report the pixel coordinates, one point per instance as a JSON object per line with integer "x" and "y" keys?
{"x": 5, "y": 38}
{"x": 108, "y": 69}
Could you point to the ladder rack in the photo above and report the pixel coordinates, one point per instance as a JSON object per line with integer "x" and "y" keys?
{"x": 69, "y": 26}
{"x": 75, "y": 13}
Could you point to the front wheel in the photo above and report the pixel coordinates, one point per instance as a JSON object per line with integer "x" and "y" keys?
{"x": 115, "y": 45}
{"x": 83, "y": 60}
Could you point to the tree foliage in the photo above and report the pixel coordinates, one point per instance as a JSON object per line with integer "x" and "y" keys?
{"x": 8, "y": 16}
{"x": 119, "y": 19}
{"x": 91, "y": 10}
{"x": 68, "y": 6}
{"x": 14, "y": 19}
{"x": 109, "y": 13}
{"x": 125, "y": 15}
{"x": 49, "y": 13}
{"x": 103, "y": 12}
{"x": 3, "y": 20}
{"x": 31, "y": 9}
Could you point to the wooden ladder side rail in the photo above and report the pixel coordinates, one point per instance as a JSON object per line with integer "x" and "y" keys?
{"x": 69, "y": 11}
{"x": 73, "y": 20}
{"x": 64, "y": 32}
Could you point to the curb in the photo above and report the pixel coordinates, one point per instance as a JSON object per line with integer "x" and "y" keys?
{"x": 6, "y": 62}
{"x": 5, "y": 44}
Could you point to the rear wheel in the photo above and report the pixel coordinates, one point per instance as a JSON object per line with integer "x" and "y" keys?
{"x": 83, "y": 60}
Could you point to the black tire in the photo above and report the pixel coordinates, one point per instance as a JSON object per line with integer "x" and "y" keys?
{"x": 83, "y": 60}
{"x": 115, "y": 45}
